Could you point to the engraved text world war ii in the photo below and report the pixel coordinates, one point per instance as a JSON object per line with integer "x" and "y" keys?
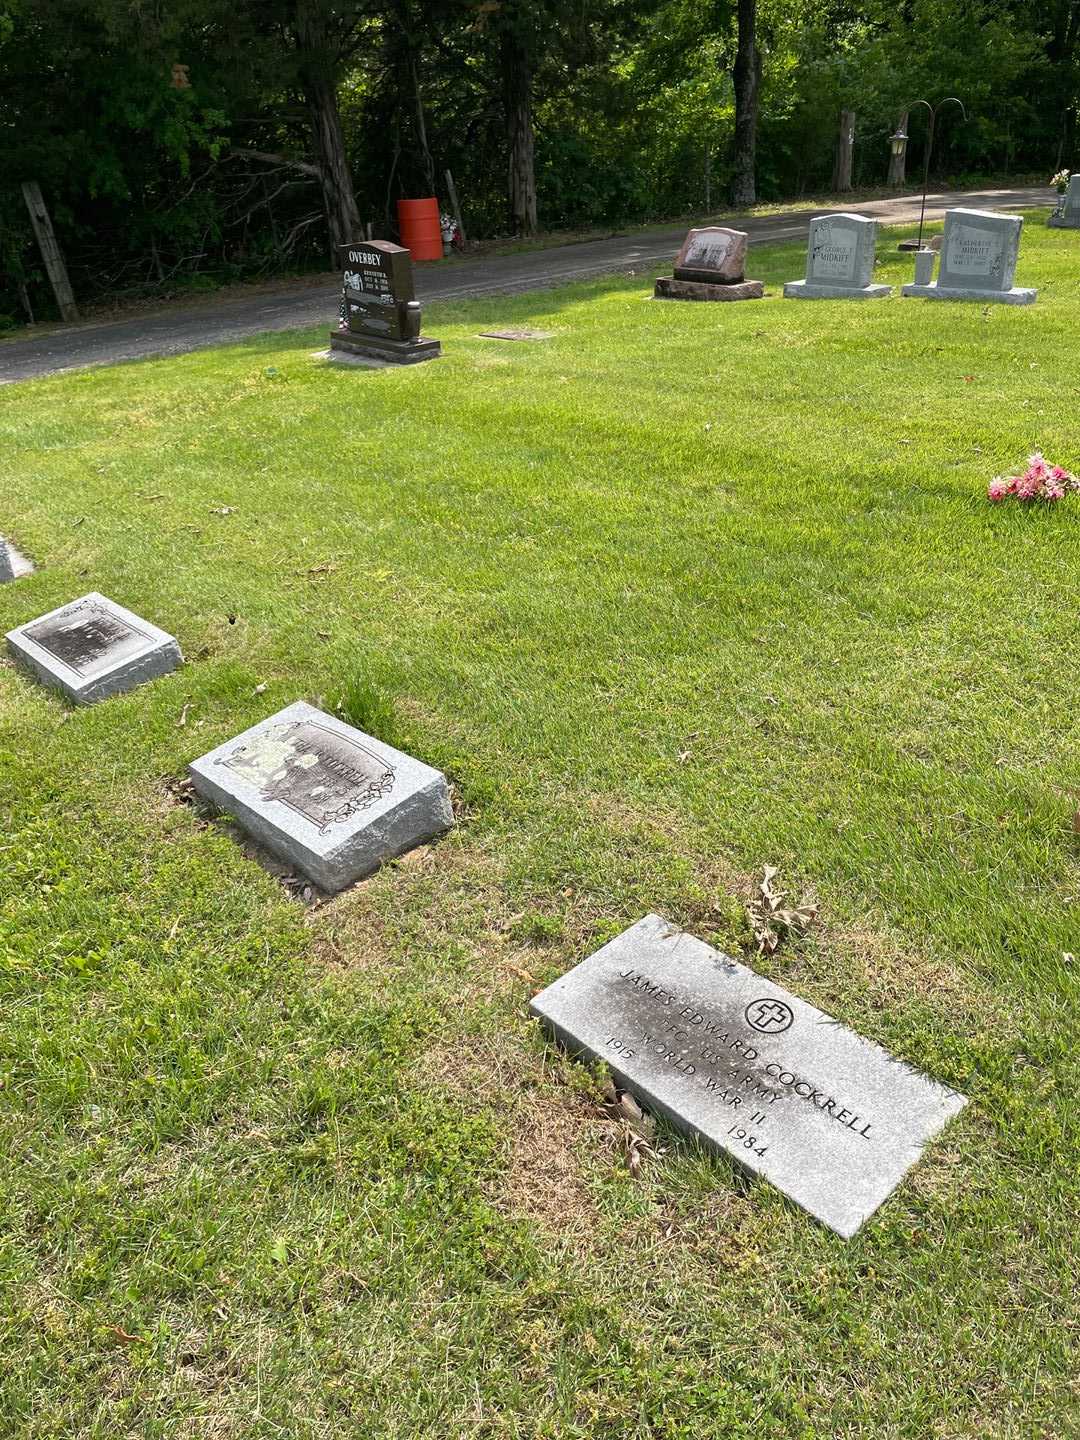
{"x": 829, "y": 1118}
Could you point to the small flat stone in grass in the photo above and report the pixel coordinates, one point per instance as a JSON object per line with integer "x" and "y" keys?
{"x": 322, "y": 795}
{"x": 831, "y": 1119}
{"x": 94, "y": 648}
{"x": 516, "y": 334}
{"x": 13, "y": 566}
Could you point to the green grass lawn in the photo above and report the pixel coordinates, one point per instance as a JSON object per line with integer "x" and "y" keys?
{"x": 683, "y": 591}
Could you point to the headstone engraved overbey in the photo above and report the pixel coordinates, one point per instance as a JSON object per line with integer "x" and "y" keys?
{"x": 710, "y": 266}
{"x": 829, "y": 1118}
{"x": 324, "y": 796}
{"x": 94, "y": 648}
{"x": 380, "y": 315}
{"x": 979, "y": 250}
{"x": 839, "y": 261}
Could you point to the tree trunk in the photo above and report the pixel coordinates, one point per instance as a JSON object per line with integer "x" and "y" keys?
{"x": 845, "y": 146}
{"x": 898, "y": 163}
{"x": 320, "y": 91}
{"x": 517, "y": 72}
{"x": 747, "y": 79}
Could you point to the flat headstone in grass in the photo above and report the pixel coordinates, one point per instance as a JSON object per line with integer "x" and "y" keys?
{"x": 792, "y": 1095}
{"x": 839, "y": 261}
{"x": 94, "y": 648}
{"x": 516, "y": 334}
{"x": 13, "y": 566}
{"x": 978, "y": 260}
{"x": 322, "y": 795}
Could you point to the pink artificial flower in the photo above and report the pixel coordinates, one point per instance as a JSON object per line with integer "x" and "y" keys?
{"x": 1037, "y": 466}
{"x": 999, "y": 487}
{"x": 1028, "y": 486}
{"x": 1054, "y": 490}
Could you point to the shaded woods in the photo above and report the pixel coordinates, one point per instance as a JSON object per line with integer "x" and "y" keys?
{"x": 188, "y": 143}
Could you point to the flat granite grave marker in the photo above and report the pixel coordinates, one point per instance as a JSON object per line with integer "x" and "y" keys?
{"x": 710, "y": 266}
{"x": 1067, "y": 214}
{"x": 831, "y": 1119}
{"x": 94, "y": 648}
{"x": 839, "y": 261}
{"x": 13, "y": 566}
{"x": 324, "y": 796}
{"x": 978, "y": 260}
{"x": 380, "y": 314}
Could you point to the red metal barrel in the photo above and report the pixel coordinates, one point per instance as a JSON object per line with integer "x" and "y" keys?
{"x": 418, "y": 221}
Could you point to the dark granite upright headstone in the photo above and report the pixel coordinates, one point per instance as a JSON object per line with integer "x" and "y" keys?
{"x": 380, "y": 315}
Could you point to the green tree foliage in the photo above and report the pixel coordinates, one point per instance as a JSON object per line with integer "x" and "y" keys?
{"x": 182, "y": 139}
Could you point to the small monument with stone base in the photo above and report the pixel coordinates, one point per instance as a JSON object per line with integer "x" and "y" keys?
{"x": 1067, "y": 214}
{"x": 978, "y": 260}
{"x": 839, "y": 261}
{"x": 710, "y": 266}
{"x": 380, "y": 314}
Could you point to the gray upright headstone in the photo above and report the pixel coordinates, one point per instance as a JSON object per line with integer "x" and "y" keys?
{"x": 324, "y": 796}
{"x": 839, "y": 261}
{"x": 1067, "y": 215}
{"x": 978, "y": 260}
{"x": 831, "y": 1119}
{"x": 94, "y": 648}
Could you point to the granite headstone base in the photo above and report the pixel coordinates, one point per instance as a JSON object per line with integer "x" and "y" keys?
{"x": 1018, "y": 295}
{"x": 13, "y": 565}
{"x": 806, "y": 290}
{"x": 377, "y": 347}
{"x": 94, "y": 648}
{"x": 831, "y": 1119}
{"x": 1064, "y": 222}
{"x": 323, "y": 796}
{"x": 668, "y": 288}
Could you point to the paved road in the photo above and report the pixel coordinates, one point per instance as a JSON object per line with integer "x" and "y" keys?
{"x": 174, "y": 331}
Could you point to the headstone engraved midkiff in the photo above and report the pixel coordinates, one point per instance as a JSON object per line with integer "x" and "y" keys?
{"x": 829, "y": 1118}
{"x": 94, "y": 648}
{"x": 979, "y": 251}
{"x": 839, "y": 261}
{"x": 380, "y": 315}
{"x": 323, "y": 796}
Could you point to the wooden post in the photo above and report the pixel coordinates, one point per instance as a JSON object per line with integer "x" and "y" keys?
{"x": 50, "y": 250}
{"x": 845, "y": 145}
{"x": 452, "y": 192}
{"x": 708, "y": 179}
{"x": 898, "y": 163}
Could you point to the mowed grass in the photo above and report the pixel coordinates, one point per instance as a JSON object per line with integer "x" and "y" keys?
{"x": 683, "y": 591}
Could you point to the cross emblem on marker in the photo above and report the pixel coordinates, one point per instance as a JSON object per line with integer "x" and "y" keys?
{"x": 769, "y": 1016}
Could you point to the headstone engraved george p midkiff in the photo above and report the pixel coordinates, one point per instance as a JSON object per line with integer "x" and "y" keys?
{"x": 831, "y": 1119}
{"x": 979, "y": 251}
{"x": 380, "y": 314}
{"x": 1067, "y": 214}
{"x": 322, "y": 795}
{"x": 94, "y": 648}
{"x": 839, "y": 261}
{"x": 710, "y": 266}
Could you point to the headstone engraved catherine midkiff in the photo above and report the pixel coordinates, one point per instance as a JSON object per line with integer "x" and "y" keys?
{"x": 323, "y": 796}
{"x": 710, "y": 266}
{"x": 978, "y": 260}
{"x": 1067, "y": 214}
{"x": 94, "y": 648}
{"x": 831, "y": 1119}
{"x": 380, "y": 314}
{"x": 839, "y": 261}
{"x": 13, "y": 566}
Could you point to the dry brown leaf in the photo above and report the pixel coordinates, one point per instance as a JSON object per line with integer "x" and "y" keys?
{"x": 771, "y": 920}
